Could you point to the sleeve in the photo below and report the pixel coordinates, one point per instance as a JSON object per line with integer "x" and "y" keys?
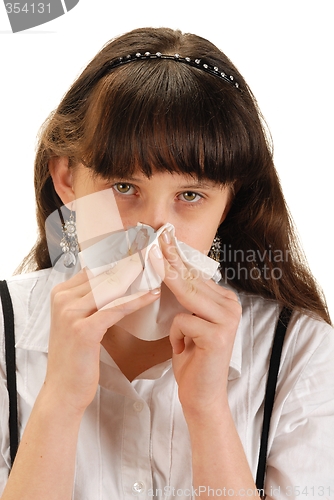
{"x": 301, "y": 460}
{"x": 4, "y": 413}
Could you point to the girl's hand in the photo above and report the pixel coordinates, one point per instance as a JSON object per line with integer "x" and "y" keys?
{"x": 77, "y": 329}
{"x": 202, "y": 340}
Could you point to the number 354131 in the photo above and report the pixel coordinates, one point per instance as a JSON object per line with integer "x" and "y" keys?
{"x": 32, "y": 8}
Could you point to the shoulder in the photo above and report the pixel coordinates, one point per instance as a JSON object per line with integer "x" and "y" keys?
{"x": 263, "y": 315}
{"x": 307, "y": 362}
{"x": 24, "y": 291}
{"x": 22, "y": 280}
{"x": 23, "y": 283}
{"x": 306, "y": 336}
{"x": 25, "y": 287}
{"x": 309, "y": 340}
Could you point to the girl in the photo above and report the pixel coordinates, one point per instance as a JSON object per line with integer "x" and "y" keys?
{"x": 166, "y": 123}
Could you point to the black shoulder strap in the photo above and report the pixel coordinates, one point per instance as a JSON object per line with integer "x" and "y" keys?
{"x": 275, "y": 359}
{"x": 8, "y": 315}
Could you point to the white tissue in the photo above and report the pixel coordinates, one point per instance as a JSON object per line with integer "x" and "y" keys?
{"x": 124, "y": 256}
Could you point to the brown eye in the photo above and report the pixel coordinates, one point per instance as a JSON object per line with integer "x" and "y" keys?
{"x": 190, "y": 196}
{"x": 123, "y": 188}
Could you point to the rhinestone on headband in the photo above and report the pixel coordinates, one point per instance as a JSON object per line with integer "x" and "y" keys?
{"x": 196, "y": 63}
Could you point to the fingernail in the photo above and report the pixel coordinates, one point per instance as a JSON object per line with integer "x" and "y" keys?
{"x": 166, "y": 237}
{"x": 156, "y": 291}
{"x": 157, "y": 252}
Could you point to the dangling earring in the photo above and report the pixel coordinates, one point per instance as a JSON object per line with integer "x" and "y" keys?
{"x": 69, "y": 242}
{"x": 215, "y": 249}
{"x": 215, "y": 255}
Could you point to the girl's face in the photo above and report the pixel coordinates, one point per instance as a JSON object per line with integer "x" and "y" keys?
{"x": 195, "y": 208}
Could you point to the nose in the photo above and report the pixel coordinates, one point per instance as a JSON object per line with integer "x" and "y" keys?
{"x": 156, "y": 215}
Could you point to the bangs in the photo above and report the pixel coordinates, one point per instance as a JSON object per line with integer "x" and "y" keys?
{"x": 167, "y": 116}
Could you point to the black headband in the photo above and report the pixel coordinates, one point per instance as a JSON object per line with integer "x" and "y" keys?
{"x": 138, "y": 56}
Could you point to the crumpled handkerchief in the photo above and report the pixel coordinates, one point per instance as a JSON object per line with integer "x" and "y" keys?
{"x": 126, "y": 258}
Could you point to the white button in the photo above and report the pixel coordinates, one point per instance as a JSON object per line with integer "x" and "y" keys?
{"x": 138, "y": 487}
{"x": 138, "y": 406}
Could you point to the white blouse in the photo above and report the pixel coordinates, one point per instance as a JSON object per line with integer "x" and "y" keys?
{"x": 134, "y": 441}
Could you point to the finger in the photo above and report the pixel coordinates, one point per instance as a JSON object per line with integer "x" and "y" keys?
{"x": 173, "y": 257}
{"x": 65, "y": 296}
{"x": 203, "y": 298}
{"x": 99, "y": 322}
{"x": 188, "y": 327}
{"x": 156, "y": 258}
{"x": 170, "y": 253}
{"x": 177, "y": 266}
{"x": 124, "y": 300}
{"x": 115, "y": 282}
{"x": 75, "y": 281}
{"x": 97, "y": 291}
{"x": 193, "y": 293}
{"x": 222, "y": 290}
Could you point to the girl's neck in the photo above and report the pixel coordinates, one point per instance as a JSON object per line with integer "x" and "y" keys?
{"x": 132, "y": 355}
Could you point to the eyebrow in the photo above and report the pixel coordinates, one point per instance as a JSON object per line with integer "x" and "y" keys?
{"x": 200, "y": 184}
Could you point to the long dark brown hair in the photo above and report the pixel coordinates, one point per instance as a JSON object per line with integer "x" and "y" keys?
{"x": 162, "y": 115}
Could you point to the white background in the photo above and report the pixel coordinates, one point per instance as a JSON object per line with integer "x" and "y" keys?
{"x": 284, "y": 48}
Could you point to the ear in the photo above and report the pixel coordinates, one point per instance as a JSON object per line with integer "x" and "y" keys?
{"x": 62, "y": 178}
